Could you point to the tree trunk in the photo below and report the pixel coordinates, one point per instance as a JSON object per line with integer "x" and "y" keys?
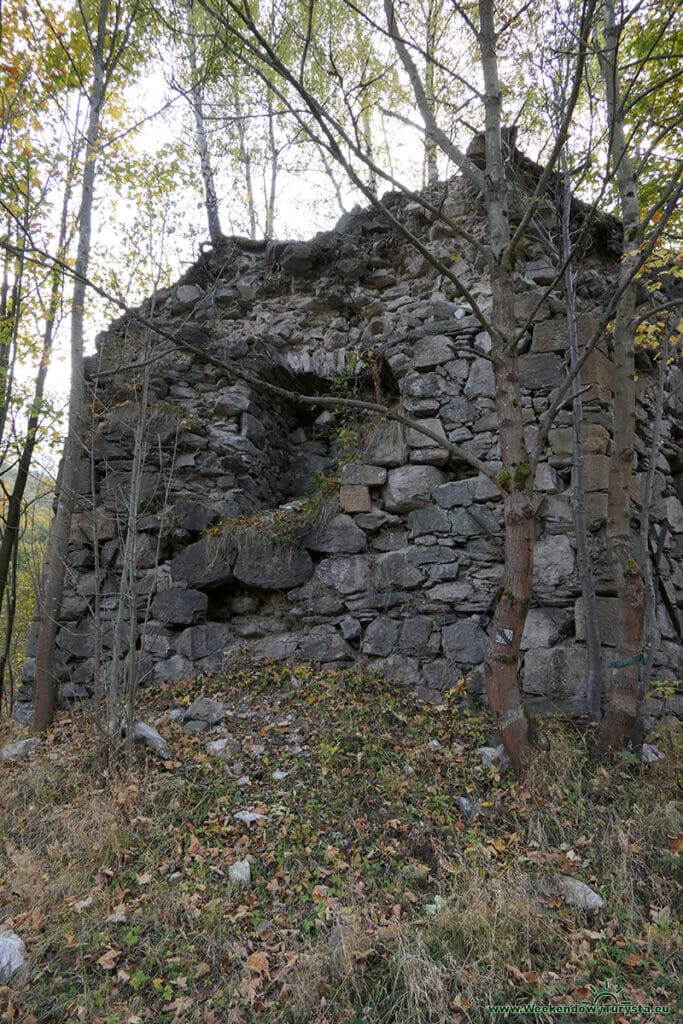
{"x": 502, "y": 656}
{"x": 58, "y": 544}
{"x": 197, "y": 104}
{"x": 622, "y": 707}
{"x": 583, "y": 558}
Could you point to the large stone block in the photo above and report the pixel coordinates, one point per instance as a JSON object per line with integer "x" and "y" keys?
{"x": 464, "y": 642}
{"x": 381, "y": 637}
{"x": 425, "y": 450}
{"x": 609, "y": 620}
{"x": 553, "y": 561}
{"x": 268, "y": 566}
{"x": 422, "y": 521}
{"x": 206, "y": 564}
{"x": 180, "y": 607}
{"x": 354, "y": 498}
{"x": 339, "y": 535}
{"x": 410, "y": 487}
{"x": 415, "y": 635}
{"x": 363, "y": 473}
{"x": 555, "y": 673}
{"x": 432, "y": 351}
{"x": 205, "y": 641}
{"x": 393, "y": 570}
{"x": 349, "y": 575}
{"x": 324, "y": 644}
{"x": 386, "y": 446}
{"x": 480, "y": 383}
{"x": 542, "y": 370}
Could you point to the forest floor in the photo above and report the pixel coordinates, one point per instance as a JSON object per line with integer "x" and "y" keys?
{"x": 373, "y": 899}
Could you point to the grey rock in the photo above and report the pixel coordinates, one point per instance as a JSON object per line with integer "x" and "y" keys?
{"x": 362, "y": 473}
{"x": 239, "y": 873}
{"x": 380, "y": 637}
{"x": 410, "y": 487}
{"x": 542, "y": 628}
{"x": 542, "y": 370}
{"x": 207, "y": 641}
{"x": 348, "y": 575}
{"x": 147, "y": 734}
{"x": 339, "y": 535}
{"x": 494, "y": 757}
{"x": 609, "y": 620}
{"x": 180, "y": 607}
{"x": 556, "y": 672}
{"x": 470, "y": 809}
{"x": 650, "y": 754}
{"x": 394, "y": 570}
{"x": 194, "y": 516}
{"x": 12, "y": 951}
{"x": 432, "y": 351}
{"x": 172, "y": 670}
{"x": 402, "y": 670}
{"x": 19, "y": 750}
{"x": 206, "y": 564}
{"x": 195, "y": 725}
{"x": 204, "y": 709}
{"x": 249, "y": 817}
{"x": 297, "y": 257}
{"x": 267, "y": 566}
{"x": 464, "y": 642}
{"x": 350, "y": 628}
{"x": 227, "y": 748}
{"x": 324, "y": 644}
{"x": 428, "y": 520}
{"x": 480, "y": 383}
{"x": 553, "y": 562}
{"x": 456, "y": 493}
{"x": 578, "y": 894}
{"x": 386, "y": 445}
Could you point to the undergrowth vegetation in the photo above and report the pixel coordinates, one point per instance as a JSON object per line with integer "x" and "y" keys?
{"x": 373, "y": 899}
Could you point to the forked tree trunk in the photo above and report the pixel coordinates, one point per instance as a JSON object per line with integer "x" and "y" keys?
{"x": 622, "y": 706}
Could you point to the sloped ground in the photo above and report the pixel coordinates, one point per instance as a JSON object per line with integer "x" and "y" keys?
{"x": 372, "y": 899}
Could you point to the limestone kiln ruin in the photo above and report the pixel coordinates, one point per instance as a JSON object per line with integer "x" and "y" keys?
{"x": 264, "y": 529}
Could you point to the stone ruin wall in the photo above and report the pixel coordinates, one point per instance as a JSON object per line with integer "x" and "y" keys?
{"x": 402, "y": 566}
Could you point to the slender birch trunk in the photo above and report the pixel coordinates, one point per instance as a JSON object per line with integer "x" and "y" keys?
{"x": 201, "y": 136}
{"x": 590, "y": 612}
{"x": 58, "y": 544}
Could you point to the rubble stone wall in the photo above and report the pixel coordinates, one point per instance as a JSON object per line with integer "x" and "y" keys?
{"x": 244, "y": 550}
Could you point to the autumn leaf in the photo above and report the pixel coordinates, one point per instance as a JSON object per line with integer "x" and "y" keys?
{"x": 108, "y": 959}
{"x": 258, "y": 962}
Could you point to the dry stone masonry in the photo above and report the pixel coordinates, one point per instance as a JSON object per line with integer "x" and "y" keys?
{"x": 267, "y": 529}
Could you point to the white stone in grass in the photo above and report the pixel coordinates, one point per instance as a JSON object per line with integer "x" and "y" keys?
{"x": 20, "y": 749}
{"x": 148, "y": 735}
{"x": 279, "y": 776}
{"x": 578, "y": 894}
{"x": 650, "y": 754}
{"x": 240, "y": 873}
{"x": 248, "y": 817}
{"x": 494, "y": 757}
{"x": 12, "y": 951}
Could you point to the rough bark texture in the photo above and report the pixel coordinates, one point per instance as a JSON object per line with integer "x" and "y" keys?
{"x": 501, "y": 665}
{"x": 622, "y": 707}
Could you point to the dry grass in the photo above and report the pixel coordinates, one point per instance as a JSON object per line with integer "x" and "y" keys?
{"x": 372, "y": 902}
